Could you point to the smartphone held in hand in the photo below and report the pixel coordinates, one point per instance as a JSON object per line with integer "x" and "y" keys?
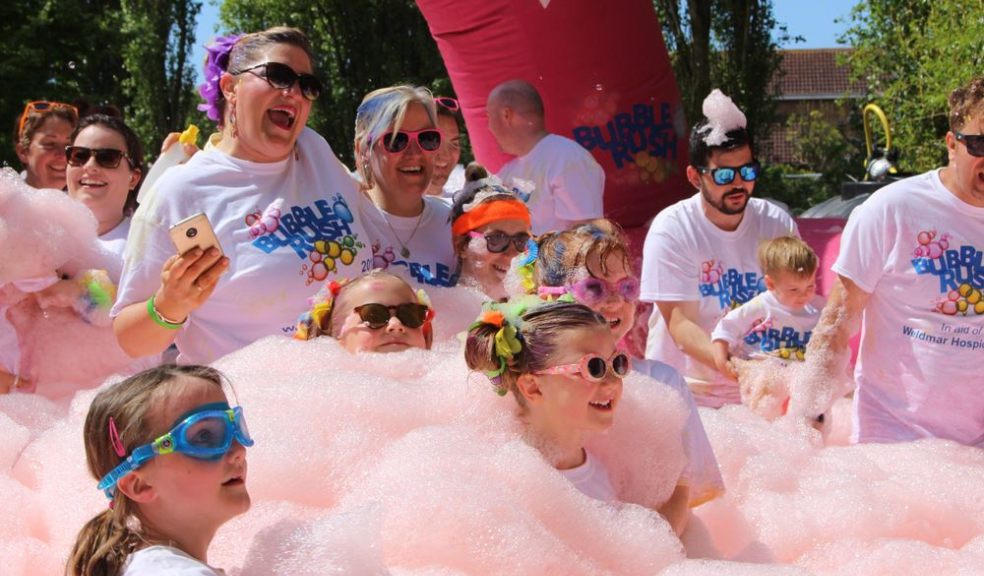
{"x": 194, "y": 232}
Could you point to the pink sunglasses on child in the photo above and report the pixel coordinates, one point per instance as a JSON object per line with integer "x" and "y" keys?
{"x": 594, "y": 291}
{"x": 594, "y": 368}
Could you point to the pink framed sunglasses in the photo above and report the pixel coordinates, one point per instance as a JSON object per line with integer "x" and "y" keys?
{"x": 428, "y": 139}
{"x": 594, "y": 368}
{"x": 448, "y": 103}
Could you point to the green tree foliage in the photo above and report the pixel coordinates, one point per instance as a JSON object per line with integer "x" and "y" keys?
{"x": 726, "y": 44}
{"x": 160, "y": 84}
{"x": 130, "y": 54}
{"x": 913, "y": 53}
{"x": 360, "y": 46}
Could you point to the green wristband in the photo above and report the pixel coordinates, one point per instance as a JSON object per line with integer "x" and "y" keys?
{"x": 160, "y": 319}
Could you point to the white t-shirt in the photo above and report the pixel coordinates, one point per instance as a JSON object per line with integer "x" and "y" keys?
{"x": 286, "y": 227}
{"x": 429, "y": 258}
{"x": 591, "y": 479}
{"x": 114, "y": 244}
{"x": 688, "y": 258}
{"x": 918, "y": 250}
{"x": 764, "y": 326}
{"x": 569, "y": 184}
{"x": 166, "y": 561}
{"x": 702, "y": 474}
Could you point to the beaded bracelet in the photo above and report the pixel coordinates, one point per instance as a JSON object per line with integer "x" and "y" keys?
{"x": 160, "y": 319}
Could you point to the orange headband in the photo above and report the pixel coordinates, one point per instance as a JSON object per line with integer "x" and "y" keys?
{"x": 491, "y": 211}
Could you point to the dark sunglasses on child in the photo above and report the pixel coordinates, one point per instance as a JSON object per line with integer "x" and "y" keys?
{"x": 429, "y": 140}
{"x": 498, "y": 242}
{"x": 106, "y": 157}
{"x": 282, "y": 77}
{"x": 973, "y": 142}
{"x": 376, "y": 316}
{"x": 726, "y": 175}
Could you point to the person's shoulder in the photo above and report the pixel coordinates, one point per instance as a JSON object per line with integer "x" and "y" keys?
{"x": 565, "y": 147}
{"x": 658, "y": 370}
{"x": 437, "y": 207}
{"x": 165, "y": 560}
{"x": 914, "y": 190}
{"x": 682, "y": 211}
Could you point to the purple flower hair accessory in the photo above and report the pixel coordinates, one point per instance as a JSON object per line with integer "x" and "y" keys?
{"x": 216, "y": 63}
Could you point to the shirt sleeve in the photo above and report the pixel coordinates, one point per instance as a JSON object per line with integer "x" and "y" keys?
{"x": 669, "y": 272}
{"x": 148, "y": 247}
{"x": 864, "y": 245}
{"x": 578, "y": 187}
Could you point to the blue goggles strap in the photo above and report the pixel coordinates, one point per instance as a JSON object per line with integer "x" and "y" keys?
{"x": 173, "y": 442}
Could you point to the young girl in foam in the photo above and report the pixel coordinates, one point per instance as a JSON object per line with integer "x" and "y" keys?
{"x": 560, "y": 362}
{"x": 590, "y": 262}
{"x": 170, "y": 454}
{"x": 376, "y": 312}
{"x": 490, "y": 225}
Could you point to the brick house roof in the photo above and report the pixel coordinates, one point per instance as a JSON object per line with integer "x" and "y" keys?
{"x": 816, "y": 75}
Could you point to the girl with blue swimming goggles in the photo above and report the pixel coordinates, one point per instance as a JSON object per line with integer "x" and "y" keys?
{"x": 207, "y": 434}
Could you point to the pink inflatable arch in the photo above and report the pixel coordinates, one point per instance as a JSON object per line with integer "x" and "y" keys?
{"x": 605, "y": 78}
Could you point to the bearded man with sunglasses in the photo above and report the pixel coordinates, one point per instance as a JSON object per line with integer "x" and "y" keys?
{"x": 911, "y": 273}
{"x": 699, "y": 259}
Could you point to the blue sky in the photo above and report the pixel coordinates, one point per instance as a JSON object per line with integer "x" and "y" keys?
{"x": 814, "y": 20}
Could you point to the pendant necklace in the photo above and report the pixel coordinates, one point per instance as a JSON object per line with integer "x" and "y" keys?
{"x": 404, "y": 251}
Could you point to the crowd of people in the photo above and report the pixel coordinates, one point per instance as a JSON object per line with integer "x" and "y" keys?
{"x": 309, "y": 248}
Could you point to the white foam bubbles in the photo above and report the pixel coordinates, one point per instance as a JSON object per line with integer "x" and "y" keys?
{"x": 722, "y": 117}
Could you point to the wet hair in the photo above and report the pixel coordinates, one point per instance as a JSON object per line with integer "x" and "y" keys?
{"x": 967, "y": 102}
{"x": 105, "y": 542}
{"x": 700, "y": 152}
{"x": 382, "y": 111}
{"x": 249, "y": 48}
{"x": 787, "y": 254}
{"x": 562, "y": 255}
{"x": 519, "y": 95}
{"x": 36, "y": 119}
{"x": 538, "y": 329}
{"x": 134, "y": 149}
{"x": 330, "y": 324}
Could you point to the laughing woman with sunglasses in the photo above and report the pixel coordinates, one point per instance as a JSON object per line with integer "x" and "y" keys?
{"x": 490, "y": 225}
{"x": 396, "y": 142}
{"x": 281, "y": 204}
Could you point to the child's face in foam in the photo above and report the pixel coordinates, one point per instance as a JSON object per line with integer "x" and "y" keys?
{"x": 356, "y": 335}
{"x": 619, "y": 311}
{"x": 488, "y": 269}
{"x": 792, "y": 290}
{"x": 192, "y": 492}
{"x": 570, "y": 401}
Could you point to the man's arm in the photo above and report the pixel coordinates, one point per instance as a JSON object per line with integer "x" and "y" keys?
{"x": 681, "y": 320}
{"x": 828, "y": 352}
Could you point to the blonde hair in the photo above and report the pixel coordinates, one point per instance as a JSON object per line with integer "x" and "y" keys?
{"x": 563, "y": 254}
{"x": 787, "y": 254}
{"x": 382, "y": 111}
{"x": 105, "y": 542}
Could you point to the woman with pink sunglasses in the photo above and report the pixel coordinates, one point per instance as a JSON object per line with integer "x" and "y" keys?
{"x": 396, "y": 143}
{"x": 449, "y": 175}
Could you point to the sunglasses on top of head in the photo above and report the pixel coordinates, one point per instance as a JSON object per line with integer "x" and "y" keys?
{"x": 42, "y": 106}
{"x": 376, "y": 316}
{"x": 428, "y": 139}
{"x": 973, "y": 142}
{"x": 106, "y": 157}
{"x": 726, "y": 175}
{"x": 448, "y": 103}
{"x": 282, "y": 77}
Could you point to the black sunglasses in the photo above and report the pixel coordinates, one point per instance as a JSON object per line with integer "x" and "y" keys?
{"x": 282, "y": 77}
{"x": 376, "y": 316}
{"x": 498, "y": 242}
{"x": 429, "y": 140}
{"x": 726, "y": 175}
{"x": 105, "y": 157}
{"x": 973, "y": 142}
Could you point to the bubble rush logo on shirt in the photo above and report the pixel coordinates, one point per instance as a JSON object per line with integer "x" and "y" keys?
{"x": 731, "y": 287}
{"x": 319, "y": 235}
{"x": 960, "y": 272}
{"x": 785, "y": 341}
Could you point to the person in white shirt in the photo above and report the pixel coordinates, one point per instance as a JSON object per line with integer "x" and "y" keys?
{"x": 779, "y": 321}
{"x": 568, "y": 185}
{"x": 911, "y": 273}
{"x": 699, "y": 258}
{"x": 283, "y": 207}
{"x": 396, "y": 141}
